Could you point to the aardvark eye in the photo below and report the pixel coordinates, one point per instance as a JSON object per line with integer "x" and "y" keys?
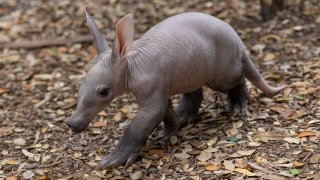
{"x": 103, "y": 91}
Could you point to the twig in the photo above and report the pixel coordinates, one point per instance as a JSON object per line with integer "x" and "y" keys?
{"x": 45, "y": 43}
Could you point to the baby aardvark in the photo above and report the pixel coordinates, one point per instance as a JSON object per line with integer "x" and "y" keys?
{"x": 179, "y": 55}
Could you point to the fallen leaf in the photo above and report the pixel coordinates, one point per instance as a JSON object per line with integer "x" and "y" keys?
{"x": 28, "y": 174}
{"x": 271, "y": 135}
{"x": 246, "y": 153}
{"x": 273, "y": 177}
{"x": 99, "y": 124}
{"x": 244, "y": 172}
{"x": 293, "y": 115}
{"x": 298, "y": 164}
{"x": 266, "y": 38}
{"x": 294, "y": 171}
{"x": 232, "y": 132}
{"x": 306, "y": 134}
{"x": 156, "y": 152}
{"x": 269, "y": 57}
{"x": 204, "y": 156}
{"x": 237, "y": 125}
{"x": 279, "y": 108}
{"x": 241, "y": 163}
{"x": 314, "y": 159}
{"x": 117, "y": 117}
{"x": 228, "y": 165}
{"x": 181, "y": 155}
{"x": 4, "y": 90}
{"x": 292, "y": 140}
{"x": 11, "y": 178}
{"x": 137, "y": 175}
{"x": 212, "y": 167}
{"x": 6, "y": 130}
{"x": 102, "y": 113}
{"x": 9, "y": 162}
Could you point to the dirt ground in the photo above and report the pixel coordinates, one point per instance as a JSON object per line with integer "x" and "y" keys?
{"x": 278, "y": 139}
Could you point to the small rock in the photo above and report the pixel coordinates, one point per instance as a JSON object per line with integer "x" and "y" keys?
{"x": 19, "y": 142}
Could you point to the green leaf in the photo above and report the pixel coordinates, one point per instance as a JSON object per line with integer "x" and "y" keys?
{"x": 294, "y": 171}
{"x": 300, "y": 97}
{"x": 233, "y": 139}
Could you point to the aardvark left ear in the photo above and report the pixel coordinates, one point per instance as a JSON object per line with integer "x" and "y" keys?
{"x": 123, "y": 36}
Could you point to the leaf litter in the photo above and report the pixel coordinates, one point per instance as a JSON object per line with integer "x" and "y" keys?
{"x": 278, "y": 139}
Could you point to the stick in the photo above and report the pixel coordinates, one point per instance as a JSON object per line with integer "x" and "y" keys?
{"x": 46, "y": 43}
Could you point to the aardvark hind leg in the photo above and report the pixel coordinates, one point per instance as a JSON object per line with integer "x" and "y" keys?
{"x": 187, "y": 110}
{"x": 238, "y": 99}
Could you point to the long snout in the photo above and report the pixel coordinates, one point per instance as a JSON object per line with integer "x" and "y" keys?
{"x": 78, "y": 123}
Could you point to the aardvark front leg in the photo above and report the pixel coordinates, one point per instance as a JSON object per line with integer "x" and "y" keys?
{"x": 135, "y": 136}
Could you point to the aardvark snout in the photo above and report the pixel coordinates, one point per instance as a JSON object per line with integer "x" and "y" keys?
{"x": 78, "y": 124}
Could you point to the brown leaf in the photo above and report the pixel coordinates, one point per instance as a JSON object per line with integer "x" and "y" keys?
{"x": 4, "y": 90}
{"x": 314, "y": 159}
{"x": 212, "y": 167}
{"x": 293, "y": 115}
{"x": 6, "y": 130}
{"x": 11, "y": 178}
{"x": 245, "y": 172}
{"x": 99, "y": 124}
{"x": 156, "y": 152}
{"x": 241, "y": 163}
{"x": 228, "y": 165}
{"x": 269, "y": 57}
{"x": 266, "y": 38}
{"x": 266, "y": 136}
{"x": 306, "y": 134}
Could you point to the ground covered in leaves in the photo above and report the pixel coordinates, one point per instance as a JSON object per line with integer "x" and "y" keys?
{"x": 278, "y": 139}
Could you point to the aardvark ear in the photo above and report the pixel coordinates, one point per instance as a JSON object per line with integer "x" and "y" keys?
{"x": 123, "y": 36}
{"x": 101, "y": 43}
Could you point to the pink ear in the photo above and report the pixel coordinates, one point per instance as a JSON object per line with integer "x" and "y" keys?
{"x": 124, "y": 36}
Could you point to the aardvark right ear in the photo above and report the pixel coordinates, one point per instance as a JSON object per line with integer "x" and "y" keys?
{"x": 101, "y": 43}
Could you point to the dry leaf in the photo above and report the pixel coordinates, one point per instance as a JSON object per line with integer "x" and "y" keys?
{"x": 9, "y": 162}
{"x": 232, "y": 132}
{"x": 102, "y": 113}
{"x": 293, "y": 115}
{"x": 266, "y": 136}
{"x": 244, "y": 172}
{"x": 266, "y": 38}
{"x": 156, "y": 152}
{"x": 314, "y": 159}
{"x": 237, "y": 125}
{"x": 241, "y": 163}
{"x": 298, "y": 164}
{"x": 11, "y": 178}
{"x": 181, "y": 155}
{"x": 137, "y": 175}
{"x": 204, "y": 156}
{"x": 99, "y": 124}
{"x": 246, "y": 153}
{"x": 292, "y": 140}
{"x": 269, "y": 57}
{"x": 306, "y": 134}
{"x": 4, "y": 90}
{"x": 212, "y": 167}
{"x": 228, "y": 165}
{"x": 6, "y": 130}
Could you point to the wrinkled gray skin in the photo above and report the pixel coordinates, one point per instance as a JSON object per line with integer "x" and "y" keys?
{"x": 179, "y": 55}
